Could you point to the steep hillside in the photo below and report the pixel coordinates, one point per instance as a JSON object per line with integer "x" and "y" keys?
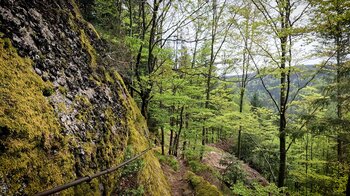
{"x": 64, "y": 112}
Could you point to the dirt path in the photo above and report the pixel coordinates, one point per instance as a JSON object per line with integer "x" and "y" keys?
{"x": 177, "y": 181}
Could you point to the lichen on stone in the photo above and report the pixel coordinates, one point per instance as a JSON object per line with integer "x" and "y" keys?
{"x": 89, "y": 48}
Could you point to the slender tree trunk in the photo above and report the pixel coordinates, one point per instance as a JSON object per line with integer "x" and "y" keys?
{"x": 119, "y": 17}
{"x": 348, "y": 186}
{"x": 195, "y": 142}
{"x": 239, "y": 142}
{"x": 162, "y": 126}
{"x": 203, "y": 143}
{"x": 151, "y": 61}
{"x": 131, "y": 90}
{"x": 306, "y": 159}
{"x": 195, "y": 49}
{"x": 179, "y": 132}
{"x": 244, "y": 77}
{"x": 170, "y": 141}
{"x": 212, "y": 135}
{"x": 311, "y": 158}
{"x": 339, "y": 101}
{"x": 184, "y": 148}
{"x": 162, "y": 141}
{"x": 185, "y": 136}
{"x": 327, "y": 158}
{"x": 282, "y": 125}
{"x": 285, "y": 20}
{"x": 173, "y": 152}
{"x": 210, "y": 68}
{"x": 144, "y": 105}
{"x": 207, "y": 135}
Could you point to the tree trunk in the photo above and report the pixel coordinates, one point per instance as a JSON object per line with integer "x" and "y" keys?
{"x": 185, "y": 137}
{"x": 348, "y": 186}
{"x": 339, "y": 93}
{"x": 162, "y": 141}
{"x": 144, "y": 105}
{"x": 170, "y": 141}
{"x": 282, "y": 164}
{"x": 162, "y": 127}
{"x": 212, "y": 135}
{"x": 195, "y": 142}
{"x": 203, "y": 143}
{"x": 210, "y": 69}
{"x": 306, "y": 158}
{"x": 285, "y": 20}
{"x": 173, "y": 152}
{"x": 282, "y": 127}
{"x": 184, "y": 148}
{"x": 179, "y": 132}
{"x": 239, "y": 142}
{"x": 207, "y": 135}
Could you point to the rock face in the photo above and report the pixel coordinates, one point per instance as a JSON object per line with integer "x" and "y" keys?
{"x": 64, "y": 113}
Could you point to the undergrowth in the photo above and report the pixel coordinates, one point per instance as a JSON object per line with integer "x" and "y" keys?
{"x": 168, "y": 160}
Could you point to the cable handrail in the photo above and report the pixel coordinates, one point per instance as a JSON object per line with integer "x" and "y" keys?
{"x": 90, "y": 177}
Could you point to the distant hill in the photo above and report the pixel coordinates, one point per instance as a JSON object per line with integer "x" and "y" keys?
{"x": 298, "y": 79}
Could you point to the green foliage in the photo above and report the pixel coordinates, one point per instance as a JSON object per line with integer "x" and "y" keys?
{"x": 139, "y": 191}
{"x": 198, "y": 167}
{"x": 108, "y": 15}
{"x": 169, "y": 160}
{"x": 135, "y": 166}
{"x": 128, "y": 184}
{"x": 234, "y": 171}
{"x": 256, "y": 189}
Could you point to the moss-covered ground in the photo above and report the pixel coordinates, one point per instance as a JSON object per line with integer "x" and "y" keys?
{"x": 201, "y": 186}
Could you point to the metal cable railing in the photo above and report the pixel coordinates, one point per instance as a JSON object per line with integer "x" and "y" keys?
{"x": 90, "y": 177}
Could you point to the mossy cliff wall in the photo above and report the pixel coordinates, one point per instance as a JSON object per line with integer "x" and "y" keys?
{"x": 64, "y": 113}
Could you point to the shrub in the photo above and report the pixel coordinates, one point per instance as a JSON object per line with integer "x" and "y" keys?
{"x": 169, "y": 160}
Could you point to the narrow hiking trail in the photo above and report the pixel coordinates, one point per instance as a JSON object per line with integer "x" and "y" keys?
{"x": 177, "y": 181}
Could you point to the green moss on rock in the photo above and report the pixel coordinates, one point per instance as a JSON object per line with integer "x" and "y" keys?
{"x": 32, "y": 152}
{"x": 201, "y": 186}
{"x": 89, "y": 48}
